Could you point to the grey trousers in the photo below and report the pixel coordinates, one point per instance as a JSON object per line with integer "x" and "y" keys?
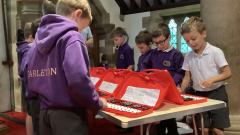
{"x": 63, "y": 122}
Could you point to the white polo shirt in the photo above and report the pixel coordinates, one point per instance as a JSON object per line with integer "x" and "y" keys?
{"x": 205, "y": 66}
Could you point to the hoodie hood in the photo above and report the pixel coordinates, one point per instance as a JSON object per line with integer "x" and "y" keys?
{"x": 22, "y": 47}
{"x": 51, "y": 28}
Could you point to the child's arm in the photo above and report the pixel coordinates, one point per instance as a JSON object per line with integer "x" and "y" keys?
{"x": 147, "y": 62}
{"x": 75, "y": 66}
{"x": 179, "y": 72}
{"x": 225, "y": 73}
{"x": 89, "y": 42}
{"x": 185, "y": 81}
{"x": 130, "y": 67}
{"x": 130, "y": 59}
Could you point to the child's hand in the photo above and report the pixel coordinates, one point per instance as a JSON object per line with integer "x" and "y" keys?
{"x": 206, "y": 83}
{"x": 104, "y": 102}
{"x": 180, "y": 90}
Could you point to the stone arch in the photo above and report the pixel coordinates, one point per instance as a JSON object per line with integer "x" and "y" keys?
{"x": 101, "y": 27}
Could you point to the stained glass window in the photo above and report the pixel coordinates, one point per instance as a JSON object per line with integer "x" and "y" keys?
{"x": 173, "y": 31}
{"x": 177, "y": 41}
{"x": 184, "y": 47}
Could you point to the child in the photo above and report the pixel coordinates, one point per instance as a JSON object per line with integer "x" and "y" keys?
{"x": 165, "y": 57}
{"x": 143, "y": 41}
{"x": 33, "y": 102}
{"x": 207, "y": 67}
{"x": 33, "y": 105}
{"x": 87, "y": 34}
{"x": 125, "y": 56}
{"x": 58, "y": 70}
{"x": 20, "y": 35}
{"x": 22, "y": 48}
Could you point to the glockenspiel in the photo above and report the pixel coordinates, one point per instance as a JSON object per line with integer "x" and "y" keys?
{"x": 192, "y": 99}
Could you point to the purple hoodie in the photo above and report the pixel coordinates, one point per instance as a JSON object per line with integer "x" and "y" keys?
{"x": 22, "y": 48}
{"x": 125, "y": 57}
{"x": 171, "y": 60}
{"x": 58, "y": 66}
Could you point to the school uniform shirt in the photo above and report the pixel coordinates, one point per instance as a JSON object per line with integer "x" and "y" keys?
{"x": 87, "y": 33}
{"x": 170, "y": 59}
{"x": 125, "y": 57}
{"x": 142, "y": 59}
{"x": 205, "y": 66}
{"x": 58, "y": 66}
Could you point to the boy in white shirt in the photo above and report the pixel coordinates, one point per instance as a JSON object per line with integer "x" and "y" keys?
{"x": 207, "y": 67}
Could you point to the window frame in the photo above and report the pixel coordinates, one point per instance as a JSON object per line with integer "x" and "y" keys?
{"x": 179, "y": 18}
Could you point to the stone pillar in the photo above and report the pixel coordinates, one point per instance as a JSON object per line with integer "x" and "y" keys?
{"x": 151, "y": 23}
{"x": 30, "y": 10}
{"x": 222, "y": 18}
{"x": 22, "y": 11}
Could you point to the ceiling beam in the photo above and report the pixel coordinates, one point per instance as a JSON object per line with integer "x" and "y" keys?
{"x": 144, "y": 4}
{"x": 160, "y": 6}
{"x": 123, "y": 6}
{"x": 133, "y": 4}
{"x": 156, "y": 2}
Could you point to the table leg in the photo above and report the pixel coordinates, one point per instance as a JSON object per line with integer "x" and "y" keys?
{"x": 194, "y": 125}
{"x": 148, "y": 129}
{"x": 202, "y": 123}
{"x": 141, "y": 129}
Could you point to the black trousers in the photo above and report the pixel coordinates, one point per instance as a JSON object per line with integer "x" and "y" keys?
{"x": 63, "y": 122}
{"x": 33, "y": 109}
{"x": 23, "y": 97}
{"x": 170, "y": 125}
{"x": 218, "y": 118}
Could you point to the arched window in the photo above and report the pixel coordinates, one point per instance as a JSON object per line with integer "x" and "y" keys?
{"x": 173, "y": 31}
{"x": 177, "y": 41}
{"x": 184, "y": 47}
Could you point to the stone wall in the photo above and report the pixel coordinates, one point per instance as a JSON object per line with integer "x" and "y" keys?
{"x": 222, "y": 19}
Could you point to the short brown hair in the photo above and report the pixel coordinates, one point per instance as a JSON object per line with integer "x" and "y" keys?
{"x": 193, "y": 23}
{"x": 27, "y": 29}
{"x": 66, "y": 7}
{"x": 144, "y": 37}
{"x": 162, "y": 30}
{"x": 119, "y": 31}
